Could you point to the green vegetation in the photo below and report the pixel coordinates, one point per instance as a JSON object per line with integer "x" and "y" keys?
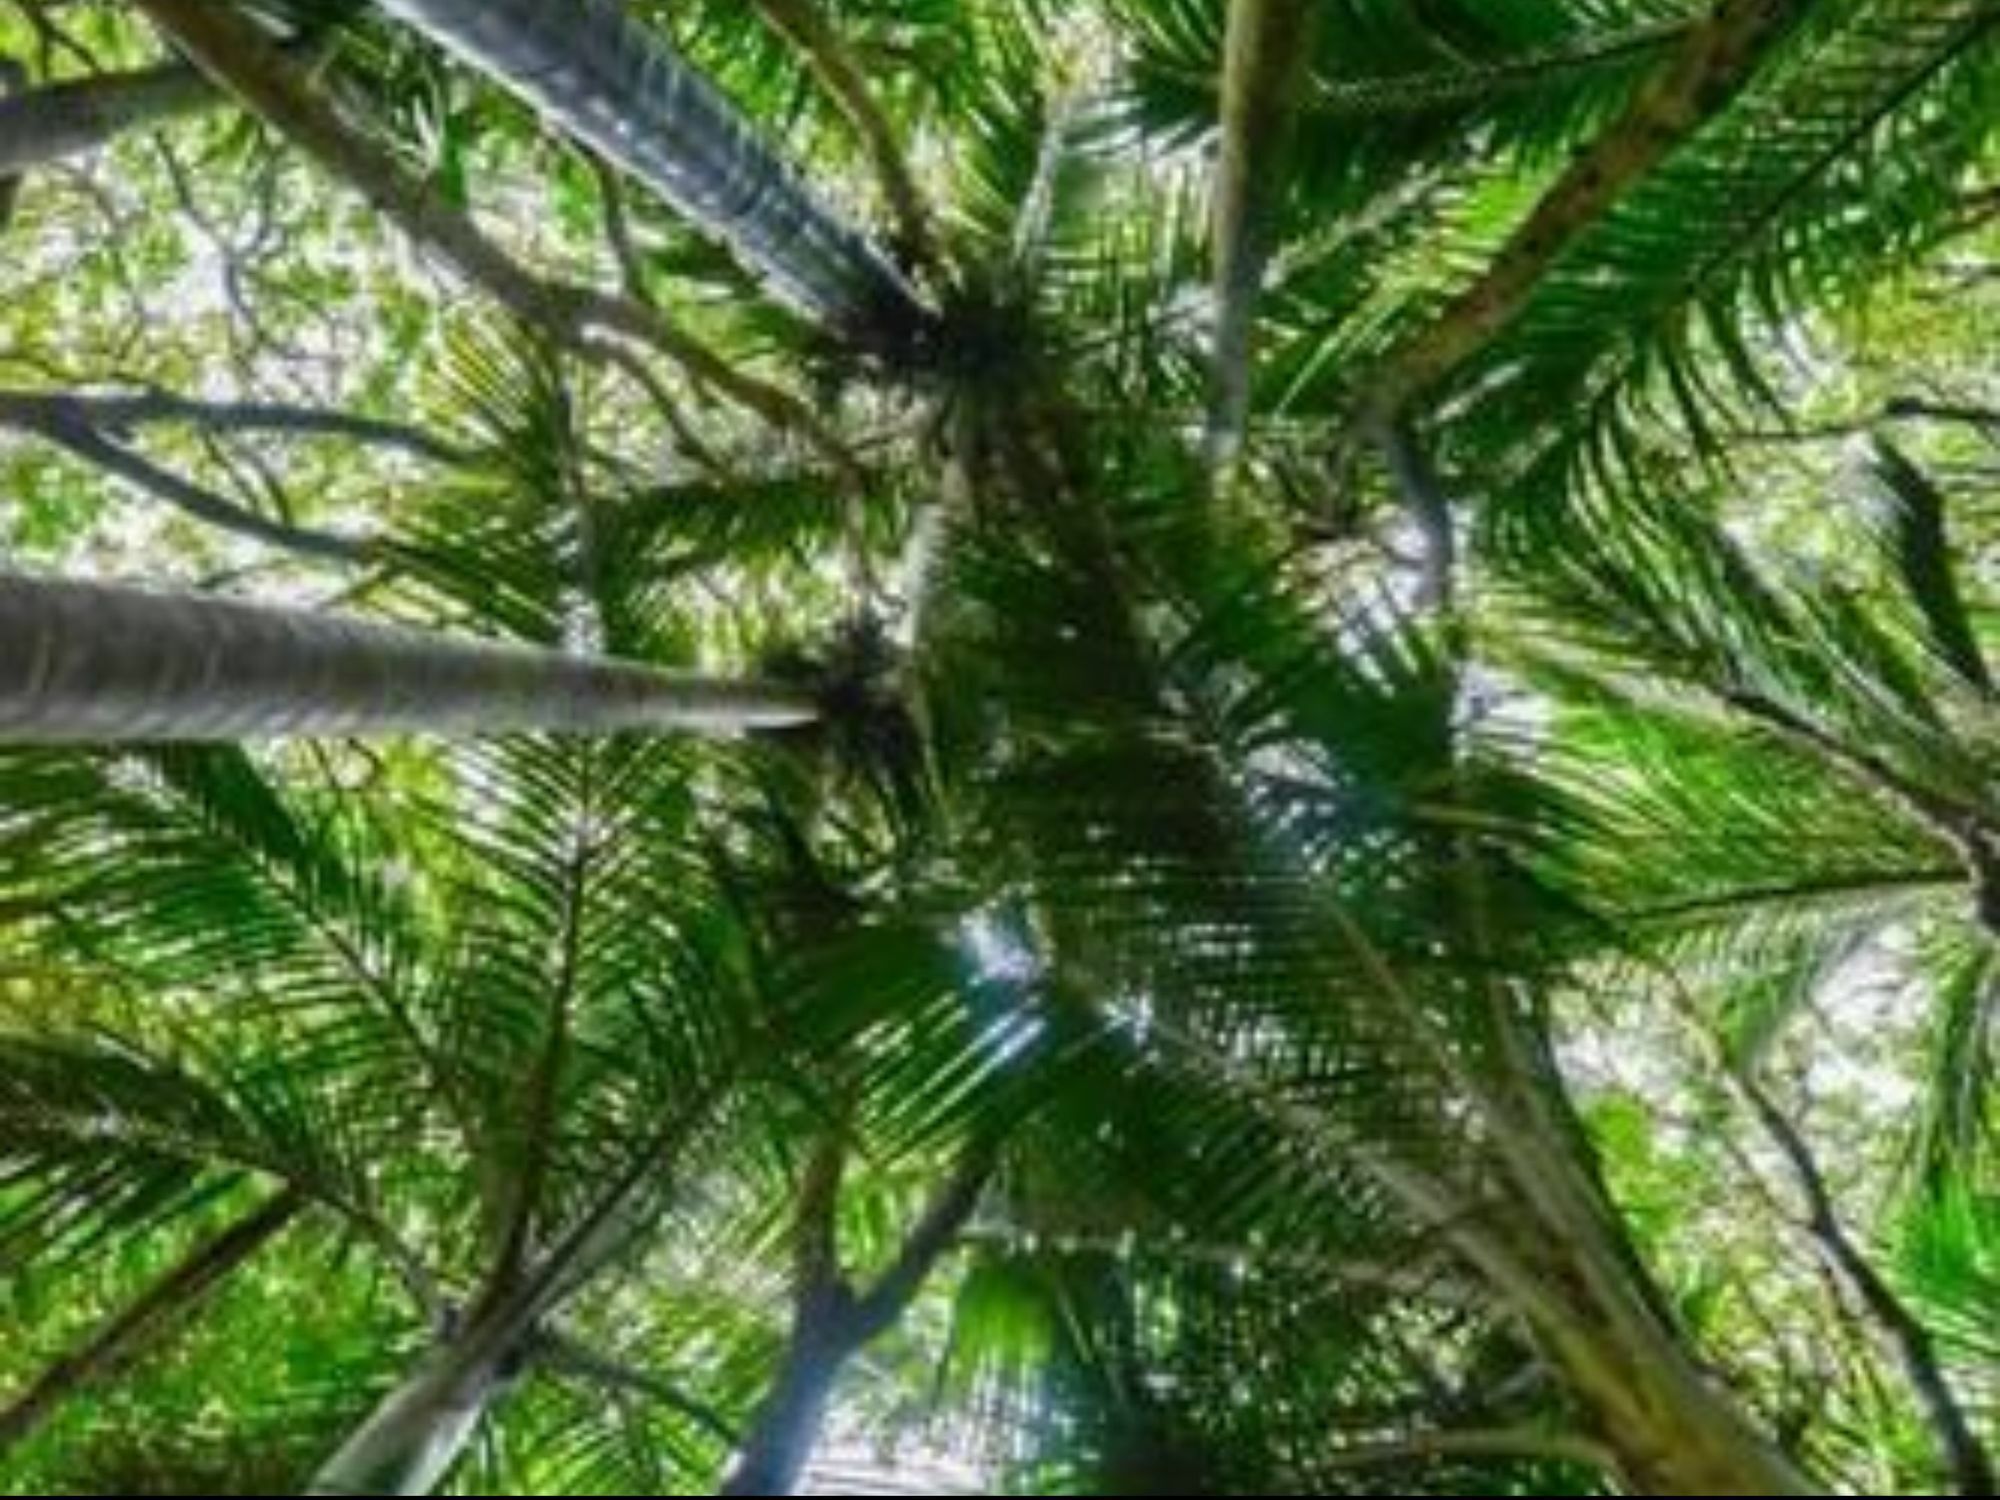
{"x": 1143, "y": 746}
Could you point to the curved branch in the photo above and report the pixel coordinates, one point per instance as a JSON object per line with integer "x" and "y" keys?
{"x": 65, "y": 422}
{"x": 168, "y": 1301}
{"x": 239, "y": 57}
{"x": 118, "y": 413}
{"x": 1696, "y": 82}
{"x": 44, "y": 126}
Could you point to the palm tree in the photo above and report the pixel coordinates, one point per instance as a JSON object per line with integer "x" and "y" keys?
{"x": 1227, "y": 906}
{"x": 541, "y": 945}
{"x": 616, "y": 86}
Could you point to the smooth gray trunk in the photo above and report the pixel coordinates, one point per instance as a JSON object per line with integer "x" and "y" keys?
{"x": 96, "y": 663}
{"x": 774, "y": 1455}
{"x": 617, "y": 86}
{"x": 412, "y": 1439}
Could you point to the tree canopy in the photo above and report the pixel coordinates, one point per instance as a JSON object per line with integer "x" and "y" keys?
{"x": 1039, "y": 746}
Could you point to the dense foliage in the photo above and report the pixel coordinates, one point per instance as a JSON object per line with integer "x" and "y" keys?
{"x": 1238, "y": 747}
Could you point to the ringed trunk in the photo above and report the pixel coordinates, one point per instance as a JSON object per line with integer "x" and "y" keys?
{"x": 97, "y": 663}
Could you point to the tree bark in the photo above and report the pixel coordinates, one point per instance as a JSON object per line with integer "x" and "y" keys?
{"x": 1712, "y": 61}
{"x": 65, "y": 120}
{"x": 786, "y": 1428}
{"x": 1669, "y": 1428}
{"x": 414, "y": 1436}
{"x": 169, "y": 1301}
{"x": 1264, "y": 61}
{"x": 612, "y": 83}
{"x": 95, "y": 663}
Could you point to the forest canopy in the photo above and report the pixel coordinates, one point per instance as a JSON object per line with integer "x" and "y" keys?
{"x": 999, "y": 746}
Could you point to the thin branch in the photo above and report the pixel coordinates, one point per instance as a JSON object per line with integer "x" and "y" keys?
{"x": 120, "y": 413}
{"x": 618, "y": 231}
{"x": 1695, "y": 83}
{"x": 1906, "y": 1338}
{"x": 1985, "y": 419}
{"x": 1917, "y": 408}
{"x": 1494, "y": 1442}
{"x": 67, "y": 427}
{"x": 169, "y": 1301}
{"x": 566, "y": 1356}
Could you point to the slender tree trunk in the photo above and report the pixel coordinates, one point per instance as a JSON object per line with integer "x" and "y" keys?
{"x": 1903, "y": 1336}
{"x": 613, "y": 83}
{"x": 239, "y": 57}
{"x": 1265, "y": 60}
{"x": 66, "y": 120}
{"x": 1670, "y": 1428}
{"x": 164, "y": 1305}
{"x": 787, "y": 1426}
{"x": 840, "y": 75}
{"x": 95, "y": 663}
{"x": 414, "y": 1436}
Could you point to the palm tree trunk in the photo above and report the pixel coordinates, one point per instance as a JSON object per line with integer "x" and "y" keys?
{"x": 1265, "y": 60}
{"x": 66, "y": 120}
{"x": 801, "y": 23}
{"x": 168, "y": 1301}
{"x": 1592, "y": 1306}
{"x": 92, "y": 663}
{"x": 786, "y": 1428}
{"x": 242, "y": 59}
{"x": 412, "y": 1439}
{"x": 616, "y": 85}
